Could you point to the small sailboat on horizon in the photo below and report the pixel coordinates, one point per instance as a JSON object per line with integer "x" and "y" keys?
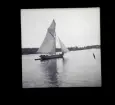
{"x": 48, "y": 46}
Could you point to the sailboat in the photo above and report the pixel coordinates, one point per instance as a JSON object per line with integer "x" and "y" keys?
{"x": 48, "y": 46}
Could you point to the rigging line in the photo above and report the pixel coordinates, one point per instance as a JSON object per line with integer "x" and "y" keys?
{"x": 51, "y": 34}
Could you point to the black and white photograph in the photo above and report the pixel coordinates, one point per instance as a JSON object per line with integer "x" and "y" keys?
{"x": 61, "y": 47}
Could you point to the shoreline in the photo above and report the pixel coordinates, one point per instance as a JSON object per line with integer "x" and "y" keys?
{"x": 28, "y": 53}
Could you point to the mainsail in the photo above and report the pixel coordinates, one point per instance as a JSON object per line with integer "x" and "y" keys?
{"x": 49, "y": 44}
{"x": 51, "y": 29}
{"x": 63, "y": 48}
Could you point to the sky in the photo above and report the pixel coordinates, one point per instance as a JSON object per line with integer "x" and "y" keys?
{"x": 75, "y": 26}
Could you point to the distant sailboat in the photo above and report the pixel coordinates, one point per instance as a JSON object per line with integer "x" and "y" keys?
{"x": 49, "y": 45}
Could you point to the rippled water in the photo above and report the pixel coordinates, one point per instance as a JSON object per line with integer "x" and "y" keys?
{"x": 77, "y": 69}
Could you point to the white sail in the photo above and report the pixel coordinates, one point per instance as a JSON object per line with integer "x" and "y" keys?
{"x": 51, "y": 29}
{"x": 49, "y": 44}
{"x": 63, "y": 48}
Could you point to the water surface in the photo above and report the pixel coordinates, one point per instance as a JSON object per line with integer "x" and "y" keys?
{"x": 77, "y": 69}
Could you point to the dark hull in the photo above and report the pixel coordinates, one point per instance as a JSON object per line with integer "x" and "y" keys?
{"x": 51, "y": 57}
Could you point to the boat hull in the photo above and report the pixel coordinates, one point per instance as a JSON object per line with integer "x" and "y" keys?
{"x": 51, "y": 57}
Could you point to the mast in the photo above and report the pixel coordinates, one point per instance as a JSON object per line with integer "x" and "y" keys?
{"x": 51, "y": 30}
{"x": 55, "y": 42}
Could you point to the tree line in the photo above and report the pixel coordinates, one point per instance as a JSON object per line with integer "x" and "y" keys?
{"x": 34, "y": 50}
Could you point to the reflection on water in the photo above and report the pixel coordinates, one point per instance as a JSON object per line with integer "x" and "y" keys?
{"x": 49, "y": 67}
{"x": 76, "y": 69}
{"x": 50, "y": 70}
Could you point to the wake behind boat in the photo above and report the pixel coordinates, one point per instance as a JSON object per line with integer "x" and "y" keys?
{"x": 48, "y": 46}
